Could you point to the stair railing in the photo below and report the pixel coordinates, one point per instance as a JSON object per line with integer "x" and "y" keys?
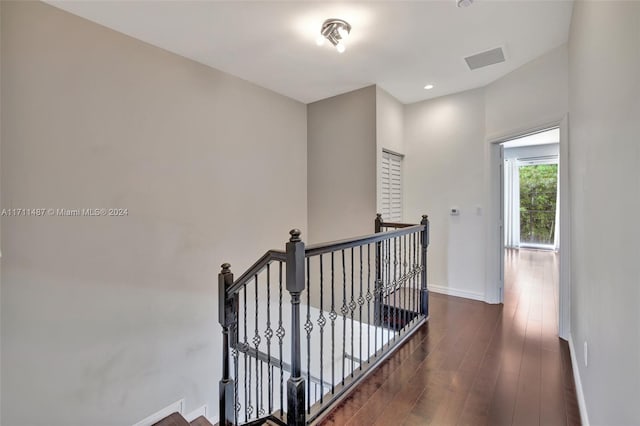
{"x": 359, "y": 298}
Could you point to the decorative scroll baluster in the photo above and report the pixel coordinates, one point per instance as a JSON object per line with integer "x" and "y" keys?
{"x": 248, "y": 410}
{"x": 344, "y": 310}
{"x": 360, "y": 303}
{"x": 395, "y": 288}
{"x": 321, "y": 322}
{"x": 333, "y": 316}
{"x": 256, "y": 344}
{"x": 308, "y": 327}
{"x": 405, "y": 282}
{"x": 352, "y": 309}
{"x": 236, "y": 368}
{"x": 368, "y": 301}
{"x": 388, "y": 293}
{"x": 295, "y": 285}
{"x": 405, "y": 307}
{"x": 416, "y": 265}
{"x": 227, "y": 312}
{"x": 377, "y": 305}
{"x": 268, "y": 334}
{"x": 280, "y": 335}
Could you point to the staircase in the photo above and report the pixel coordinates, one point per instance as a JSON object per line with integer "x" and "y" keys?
{"x": 176, "y": 419}
{"x": 351, "y": 303}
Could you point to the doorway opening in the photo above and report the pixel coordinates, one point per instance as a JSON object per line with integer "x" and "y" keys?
{"x": 530, "y": 209}
{"x": 531, "y": 197}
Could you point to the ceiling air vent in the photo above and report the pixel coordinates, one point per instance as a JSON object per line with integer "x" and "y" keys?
{"x": 483, "y": 59}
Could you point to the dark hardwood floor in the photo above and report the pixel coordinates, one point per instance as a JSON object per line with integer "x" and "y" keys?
{"x": 478, "y": 364}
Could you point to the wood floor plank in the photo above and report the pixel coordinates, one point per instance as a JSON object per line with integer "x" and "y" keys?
{"x": 478, "y": 364}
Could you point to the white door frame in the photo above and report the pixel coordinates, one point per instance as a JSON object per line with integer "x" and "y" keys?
{"x": 495, "y": 236}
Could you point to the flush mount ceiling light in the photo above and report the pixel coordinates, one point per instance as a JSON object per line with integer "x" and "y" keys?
{"x": 464, "y": 3}
{"x": 428, "y": 86}
{"x": 336, "y": 31}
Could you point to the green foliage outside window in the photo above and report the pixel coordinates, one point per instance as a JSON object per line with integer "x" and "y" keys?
{"x": 538, "y": 186}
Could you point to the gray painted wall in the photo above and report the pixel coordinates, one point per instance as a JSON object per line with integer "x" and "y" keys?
{"x": 105, "y": 320}
{"x": 604, "y": 135}
{"x": 341, "y": 152}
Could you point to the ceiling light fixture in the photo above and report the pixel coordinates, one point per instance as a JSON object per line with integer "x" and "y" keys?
{"x": 464, "y": 3}
{"x": 336, "y": 31}
{"x": 429, "y": 86}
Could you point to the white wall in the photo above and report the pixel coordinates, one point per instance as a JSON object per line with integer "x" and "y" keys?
{"x": 108, "y": 319}
{"x": 444, "y": 168}
{"x": 604, "y": 65}
{"x": 533, "y": 95}
{"x": 448, "y": 164}
{"x": 341, "y": 150}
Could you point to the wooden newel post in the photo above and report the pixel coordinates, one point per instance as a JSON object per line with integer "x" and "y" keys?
{"x": 227, "y": 315}
{"x": 424, "y": 293}
{"x": 296, "y": 415}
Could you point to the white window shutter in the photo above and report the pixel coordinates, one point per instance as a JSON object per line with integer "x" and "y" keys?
{"x": 391, "y": 190}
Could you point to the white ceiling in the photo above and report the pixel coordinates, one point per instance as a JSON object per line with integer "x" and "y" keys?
{"x": 401, "y": 46}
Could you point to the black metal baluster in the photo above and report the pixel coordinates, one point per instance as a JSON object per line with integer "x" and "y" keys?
{"x": 280, "y": 334}
{"x": 360, "y": 303}
{"x": 388, "y": 294}
{"x": 236, "y": 372}
{"x": 247, "y": 361}
{"x": 352, "y": 308}
{"x": 405, "y": 281}
{"x": 321, "y": 322}
{"x": 395, "y": 288}
{"x": 256, "y": 344}
{"x": 369, "y": 297}
{"x": 411, "y": 302}
{"x": 417, "y": 270}
{"x": 403, "y": 271}
{"x": 268, "y": 334}
{"x": 345, "y": 311}
{"x": 333, "y": 316}
{"x": 412, "y": 274}
{"x": 308, "y": 327}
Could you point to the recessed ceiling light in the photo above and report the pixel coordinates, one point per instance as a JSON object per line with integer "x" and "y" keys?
{"x": 429, "y": 86}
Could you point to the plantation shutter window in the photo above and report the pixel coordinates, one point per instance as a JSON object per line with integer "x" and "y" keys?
{"x": 391, "y": 187}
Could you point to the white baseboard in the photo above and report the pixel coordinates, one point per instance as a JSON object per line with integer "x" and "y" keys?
{"x": 177, "y": 406}
{"x": 456, "y": 292}
{"x": 582, "y": 405}
{"x": 201, "y": 411}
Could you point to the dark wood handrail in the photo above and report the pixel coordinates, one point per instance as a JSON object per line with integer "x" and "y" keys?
{"x": 256, "y": 268}
{"x": 316, "y": 249}
{"x": 396, "y": 225}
